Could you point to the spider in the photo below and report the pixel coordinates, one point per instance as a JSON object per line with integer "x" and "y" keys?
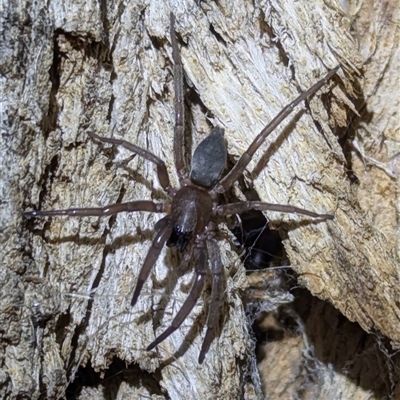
{"x": 193, "y": 211}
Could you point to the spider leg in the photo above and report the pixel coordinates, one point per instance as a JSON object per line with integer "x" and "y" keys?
{"x": 179, "y": 127}
{"x": 241, "y": 207}
{"x": 147, "y": 155}
{"x": 164, "y": 229}
{"x": 141, "y": 205}
{"x": 217, "y": 293}
{"x": 200, "y": 255}
{"x": 244, "y": 160}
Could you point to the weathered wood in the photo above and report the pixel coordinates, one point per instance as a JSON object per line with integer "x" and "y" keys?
{"x": 67, "y": 283}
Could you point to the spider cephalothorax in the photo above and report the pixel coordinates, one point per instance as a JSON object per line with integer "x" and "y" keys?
{"x": 191, "y": 215}
{"x": 191, "y": 210}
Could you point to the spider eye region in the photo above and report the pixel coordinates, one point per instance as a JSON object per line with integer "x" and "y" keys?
{"x": 209, "y": 159}
{"x": 190, "y": 213}
{"x": 179, "y": 239}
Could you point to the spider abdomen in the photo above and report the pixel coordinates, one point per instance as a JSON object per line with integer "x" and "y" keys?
{"x": 190, "y": 213}
{"x": 209, "y": 159}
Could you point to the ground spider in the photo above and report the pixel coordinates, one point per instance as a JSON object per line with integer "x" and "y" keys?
{"x": 191, "y": 214}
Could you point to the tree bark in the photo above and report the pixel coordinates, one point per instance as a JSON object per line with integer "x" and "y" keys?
{"x": 73, "y": 67}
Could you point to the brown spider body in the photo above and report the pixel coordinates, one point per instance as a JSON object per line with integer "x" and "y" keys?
{"x": 191, "y": 210}
{"x": 209, "y": 160}
{"x": 191, "y": 215}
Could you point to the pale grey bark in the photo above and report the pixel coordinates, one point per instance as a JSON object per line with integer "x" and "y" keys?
{"x": 68, "y": 67}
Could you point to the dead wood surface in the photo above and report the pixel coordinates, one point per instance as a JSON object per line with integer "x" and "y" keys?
{"x": 76, "y": 66}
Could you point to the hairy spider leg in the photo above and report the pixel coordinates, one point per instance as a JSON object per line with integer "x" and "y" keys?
{"x": 243, "y": 206}
{"x": 179, "y": 127}
{"x": 244, "y": 160}
{"x": 217, "y": 292}
{"x": 162, "y": 173}
{"x": 141, "y": 205}
{"x": 164, "y": 229}
{"x": 200, "y": 255}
